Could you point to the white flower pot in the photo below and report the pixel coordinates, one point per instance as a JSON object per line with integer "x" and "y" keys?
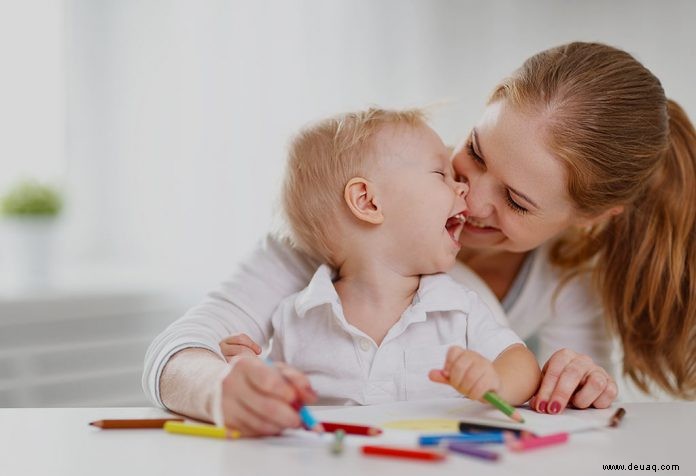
{"x": 27, "y": 254}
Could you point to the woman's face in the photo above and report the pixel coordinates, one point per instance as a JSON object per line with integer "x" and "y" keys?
{"x": 517, "y": 190}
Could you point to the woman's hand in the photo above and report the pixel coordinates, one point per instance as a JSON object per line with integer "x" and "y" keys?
{"x": 569, "y": 377}
{"x": 259, "y": 400}
{"x": 469, "y": 372}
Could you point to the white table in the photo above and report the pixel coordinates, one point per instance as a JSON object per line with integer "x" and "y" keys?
{"x": 59, "y": 441}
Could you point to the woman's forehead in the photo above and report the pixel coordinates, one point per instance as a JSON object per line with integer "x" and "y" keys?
{"x": 512, "y": 145}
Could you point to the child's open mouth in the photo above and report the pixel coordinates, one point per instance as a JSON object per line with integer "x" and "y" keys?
{"x": 454, "y": 226}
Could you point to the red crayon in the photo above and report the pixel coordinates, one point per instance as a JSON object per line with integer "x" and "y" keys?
{"x": 409, "y": 453}
{"x": 351, "y": 429}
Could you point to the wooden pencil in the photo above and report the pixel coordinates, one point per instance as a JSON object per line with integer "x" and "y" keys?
{"x": 495, "y": 400}
{"x": 616, "y": 417}
{"x": 133, "y": 423}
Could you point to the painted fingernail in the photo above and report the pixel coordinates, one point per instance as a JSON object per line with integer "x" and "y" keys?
{"x": 542, "y": 406}
{"x": 555, "y": 408}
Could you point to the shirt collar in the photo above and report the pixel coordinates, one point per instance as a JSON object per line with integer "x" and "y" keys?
{"x": 439, "y": 293}
{"x": 436, "y": 293}
{"x": 320, "y": 290}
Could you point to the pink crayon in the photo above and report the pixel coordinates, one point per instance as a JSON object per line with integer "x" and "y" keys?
{"x": 537, "y": 442}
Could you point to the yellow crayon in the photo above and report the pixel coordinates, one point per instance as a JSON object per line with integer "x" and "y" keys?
{"x": 200, "y": 430}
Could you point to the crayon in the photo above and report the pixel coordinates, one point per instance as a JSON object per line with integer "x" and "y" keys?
{"x": 200, "y": 430}
{"x": 530, "y": 443}
{"x": 495, "y": 400}
{"x": 431, "y": 440}
{"x": 351, "y": 429}
{"x": 409, "y": 453}
{"x": 337, "y": 445}
{"x": 465, "y": 427}
{"x": 472, "y": 450}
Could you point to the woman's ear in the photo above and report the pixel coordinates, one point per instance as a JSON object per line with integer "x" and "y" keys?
{"x": 360, "y": 196}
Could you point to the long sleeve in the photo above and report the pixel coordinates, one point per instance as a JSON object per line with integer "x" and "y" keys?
{"x": 243, "y": 303}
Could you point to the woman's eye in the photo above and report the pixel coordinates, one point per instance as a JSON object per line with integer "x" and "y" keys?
{"x": 473, "y": 154}
{"x": 514, "y": 205}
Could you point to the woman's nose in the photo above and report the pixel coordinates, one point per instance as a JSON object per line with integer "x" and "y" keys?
{"x": 478, "y": 199}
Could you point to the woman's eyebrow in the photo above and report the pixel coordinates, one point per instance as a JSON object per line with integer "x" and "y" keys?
{"x": 477, "y": 148}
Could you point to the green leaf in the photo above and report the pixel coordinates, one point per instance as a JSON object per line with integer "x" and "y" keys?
{"x": 30, "y": 198}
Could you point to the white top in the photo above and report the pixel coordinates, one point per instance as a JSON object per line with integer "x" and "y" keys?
{"x": 346, "y": 367}
{"x": 274, "y": 271}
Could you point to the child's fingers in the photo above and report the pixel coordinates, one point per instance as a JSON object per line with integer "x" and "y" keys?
{"x": 266, "y": 380}
{"x": 239, "y": 417}
{"x": 459, "y": 370}
{"x": 300, "y": 381}
{"x": 268, "y": 412}
{"x": 472, "y": 375}
{"x": 453, "y": 354}
{"x": 438, "y": 376}
{"x": 485, "y": 383}
{"x": 250, "y": 411}
{"x": 231, "y": 350}
{"x": 243, "y": 340}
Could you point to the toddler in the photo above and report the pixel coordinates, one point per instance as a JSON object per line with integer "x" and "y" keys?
{"x": 372, "y": 194}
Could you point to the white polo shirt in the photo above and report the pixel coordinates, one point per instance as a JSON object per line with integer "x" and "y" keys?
{"x": 346, "y": 367}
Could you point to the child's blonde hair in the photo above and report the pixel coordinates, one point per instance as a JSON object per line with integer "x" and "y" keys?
{"x": 323, "y": 157}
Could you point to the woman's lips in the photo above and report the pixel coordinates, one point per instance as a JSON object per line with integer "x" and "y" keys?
{"x": 474, "y": 226}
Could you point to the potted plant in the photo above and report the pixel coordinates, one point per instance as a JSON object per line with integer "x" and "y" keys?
{"x": 29, "y": 210}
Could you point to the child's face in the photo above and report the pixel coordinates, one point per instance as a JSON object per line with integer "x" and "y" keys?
{"x": 421, "y": 201}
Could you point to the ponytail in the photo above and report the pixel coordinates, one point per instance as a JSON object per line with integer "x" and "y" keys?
{"x": 646, "y": 270}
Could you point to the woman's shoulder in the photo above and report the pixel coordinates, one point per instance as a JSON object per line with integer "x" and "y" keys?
{"x": 545, "y": 296}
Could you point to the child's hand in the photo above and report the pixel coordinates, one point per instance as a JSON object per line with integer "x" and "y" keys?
{"x": 468, "y": 372}
{"x": 239, "y": 344}
{"x": 258, "y": 399}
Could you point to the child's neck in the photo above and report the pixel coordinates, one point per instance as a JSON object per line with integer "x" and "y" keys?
{"x": 374, "y": 295}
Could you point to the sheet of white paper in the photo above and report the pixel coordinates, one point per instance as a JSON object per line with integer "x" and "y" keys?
{"x": 464, "y": 410}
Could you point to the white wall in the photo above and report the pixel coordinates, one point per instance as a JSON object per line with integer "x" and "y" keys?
{"x": 178, "y": 111}
{"x": 32, "y": 90}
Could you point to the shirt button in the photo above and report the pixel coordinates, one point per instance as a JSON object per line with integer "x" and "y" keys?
{"x": 365, "y": 344}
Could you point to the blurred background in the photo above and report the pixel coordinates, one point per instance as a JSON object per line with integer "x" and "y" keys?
{"x": 142, "y": 143}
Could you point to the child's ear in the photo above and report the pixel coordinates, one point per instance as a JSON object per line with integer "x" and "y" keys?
{"x": 362, "y": 201}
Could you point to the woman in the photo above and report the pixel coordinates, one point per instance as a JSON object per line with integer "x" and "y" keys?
{"x": 582, "y": 181}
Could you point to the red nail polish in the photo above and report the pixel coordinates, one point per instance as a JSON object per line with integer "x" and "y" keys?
{"x": 542, "y": 406}
{"x": 555, "y": 408}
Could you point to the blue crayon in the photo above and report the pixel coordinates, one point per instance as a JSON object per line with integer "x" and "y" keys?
{"x": 432, "y": 440}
